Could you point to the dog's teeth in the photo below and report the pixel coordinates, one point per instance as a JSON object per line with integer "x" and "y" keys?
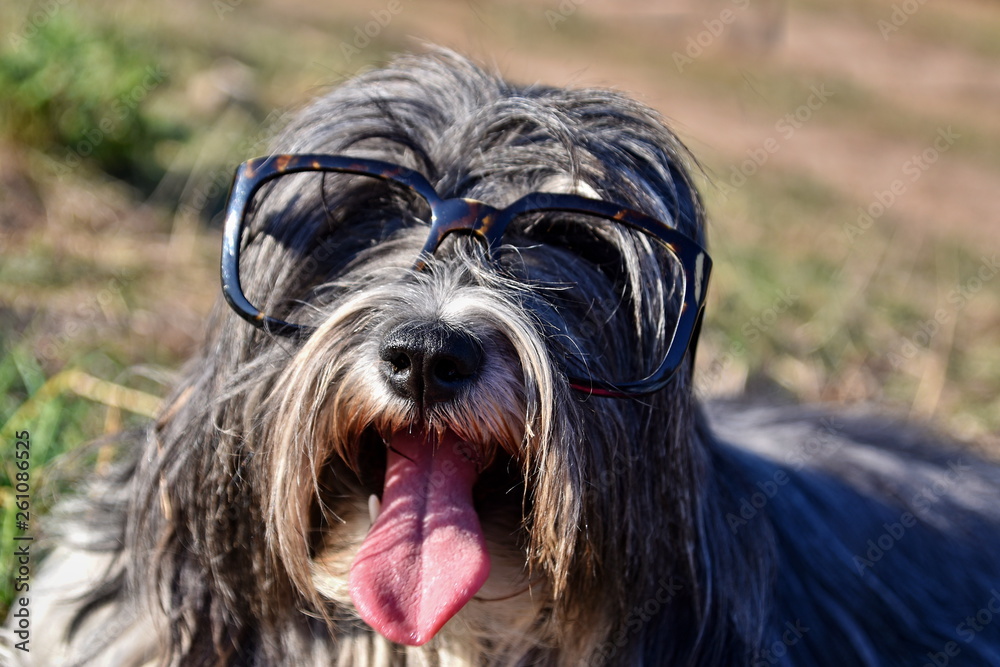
{"x": 374, "y": 507}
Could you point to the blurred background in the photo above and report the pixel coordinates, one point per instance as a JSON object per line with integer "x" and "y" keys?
{"x": 851, "y": 168}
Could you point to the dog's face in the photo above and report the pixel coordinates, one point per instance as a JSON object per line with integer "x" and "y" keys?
{"x": 430, "y": 434}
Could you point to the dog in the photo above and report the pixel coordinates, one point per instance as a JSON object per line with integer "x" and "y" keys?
{"x": 445, "y": 415}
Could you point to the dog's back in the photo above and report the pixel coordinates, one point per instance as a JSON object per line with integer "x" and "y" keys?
{"x": 884, "y": 538}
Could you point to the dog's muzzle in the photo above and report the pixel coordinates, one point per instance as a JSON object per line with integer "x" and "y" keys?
{"x": 425, "y": 555}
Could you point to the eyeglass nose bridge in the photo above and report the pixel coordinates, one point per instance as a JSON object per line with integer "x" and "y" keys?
{"x": 460, "y": 215}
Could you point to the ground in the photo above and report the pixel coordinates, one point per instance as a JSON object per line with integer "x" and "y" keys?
{"x": 851, "y": 153}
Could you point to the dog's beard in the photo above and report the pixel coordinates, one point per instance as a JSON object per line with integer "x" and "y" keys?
{"x": 339, "y": 426}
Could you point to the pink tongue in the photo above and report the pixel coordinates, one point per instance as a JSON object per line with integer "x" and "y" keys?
{"x": 425, "y": 557}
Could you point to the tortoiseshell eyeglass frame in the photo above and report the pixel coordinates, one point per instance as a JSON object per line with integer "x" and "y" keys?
{"x": 480, "y": 220}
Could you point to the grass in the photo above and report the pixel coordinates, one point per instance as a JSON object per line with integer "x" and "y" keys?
{"x": 857, "y": 306}
{"x": 55, "y": 416}
{"x": 110, "y": 268}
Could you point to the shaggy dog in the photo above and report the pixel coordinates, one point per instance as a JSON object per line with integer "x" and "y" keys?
{"x": 445, "y": 417}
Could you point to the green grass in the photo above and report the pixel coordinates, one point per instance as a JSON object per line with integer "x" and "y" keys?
{"x": 54, "y": 425}
{"x": 77, "y": 88}
{"x": 59, "y": 414}
{"x": 856, "y": 304}
{"x": 113, "y": 219}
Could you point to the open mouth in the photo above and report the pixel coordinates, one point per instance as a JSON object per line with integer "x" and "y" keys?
{"x": 425, "y": 556}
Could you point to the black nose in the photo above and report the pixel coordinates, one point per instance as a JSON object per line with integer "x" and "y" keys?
{"x": 429, "y": 362}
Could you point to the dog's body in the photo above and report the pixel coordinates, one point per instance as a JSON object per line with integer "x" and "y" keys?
{"x": 619, "y": 531}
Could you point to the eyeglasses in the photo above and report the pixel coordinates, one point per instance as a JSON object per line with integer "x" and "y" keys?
{"x": 467, "y": 216}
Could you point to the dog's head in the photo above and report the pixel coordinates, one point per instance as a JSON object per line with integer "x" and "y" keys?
{"x": 474, "y": 303}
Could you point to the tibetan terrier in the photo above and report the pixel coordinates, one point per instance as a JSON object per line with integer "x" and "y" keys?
{"x": 444, "y": 416}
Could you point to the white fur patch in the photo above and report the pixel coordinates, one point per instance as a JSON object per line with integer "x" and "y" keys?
{"x": 564, "y": 185}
